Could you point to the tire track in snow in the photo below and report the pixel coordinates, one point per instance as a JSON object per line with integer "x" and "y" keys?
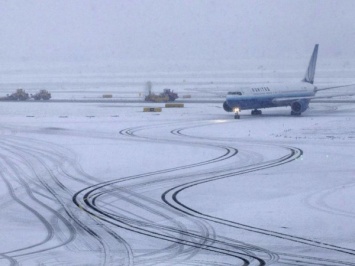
{"x": 318, "y": 201}
{"x": 89, "y": 195}
{"x": 34, "y": 158}
{"x": 171, "y": 198}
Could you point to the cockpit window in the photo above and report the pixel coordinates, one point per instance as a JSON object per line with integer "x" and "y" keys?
{"x": 234, "y": 93}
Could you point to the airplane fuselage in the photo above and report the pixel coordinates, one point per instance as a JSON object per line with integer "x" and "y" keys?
{"x": 262, "y": 96}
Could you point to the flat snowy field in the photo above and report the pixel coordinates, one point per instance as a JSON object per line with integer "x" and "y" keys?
{"x": 109, "y": 184}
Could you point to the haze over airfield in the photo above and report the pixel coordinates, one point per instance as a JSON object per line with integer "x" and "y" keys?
{"x": 88, "y": 30}
{"x": 90, "y": 180}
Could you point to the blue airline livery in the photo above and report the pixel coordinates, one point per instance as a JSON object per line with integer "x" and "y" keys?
{"x": 297, "y": 95}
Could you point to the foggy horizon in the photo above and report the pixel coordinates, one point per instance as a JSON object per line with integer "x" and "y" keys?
{"x": 87, "y": 30}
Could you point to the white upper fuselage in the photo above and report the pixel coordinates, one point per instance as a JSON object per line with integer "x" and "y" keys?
{"x": 268, "y": 95}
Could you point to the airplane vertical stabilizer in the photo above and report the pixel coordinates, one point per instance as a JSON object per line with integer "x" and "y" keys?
{"x": 311, "y": 70}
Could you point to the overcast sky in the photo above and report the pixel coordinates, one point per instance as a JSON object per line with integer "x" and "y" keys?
{"x": 174, "y": 29}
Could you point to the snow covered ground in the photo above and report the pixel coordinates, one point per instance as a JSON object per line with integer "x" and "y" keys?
{"x": 109, "y": 184}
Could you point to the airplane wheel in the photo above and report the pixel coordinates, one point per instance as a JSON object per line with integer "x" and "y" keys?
{"x": 236, "y": 116}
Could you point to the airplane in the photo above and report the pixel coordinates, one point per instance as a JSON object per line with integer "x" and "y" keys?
{"x": 297, "y": 95}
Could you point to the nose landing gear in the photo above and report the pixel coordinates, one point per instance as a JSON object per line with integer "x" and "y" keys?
{"x": 236, "y": 113}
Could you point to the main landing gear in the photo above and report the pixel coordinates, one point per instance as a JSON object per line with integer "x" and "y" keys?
{"x": 295, "y": 114}
{"x": 256, "y": 112}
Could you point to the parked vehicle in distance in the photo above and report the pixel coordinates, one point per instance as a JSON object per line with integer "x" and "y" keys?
{"x": 166, "y": 96}
{"x": 22, "y": 95}
{"x": 18, "y": 95}
{"x": 41, "y": 95}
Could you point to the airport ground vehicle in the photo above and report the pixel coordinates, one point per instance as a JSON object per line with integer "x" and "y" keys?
{"x": 166, "y": 96}
{"x": 18, "y": 95}
{"x": 22, "y": 95}
{"x": 41, "y": 95}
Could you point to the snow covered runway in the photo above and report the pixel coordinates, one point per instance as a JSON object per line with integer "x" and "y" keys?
{"x": 96, "y": 184}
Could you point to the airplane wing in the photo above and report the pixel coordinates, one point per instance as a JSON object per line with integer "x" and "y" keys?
{"x": 334, "y": 101}
{"x": 330, "y": 97}
{"x": 311, "y": 98}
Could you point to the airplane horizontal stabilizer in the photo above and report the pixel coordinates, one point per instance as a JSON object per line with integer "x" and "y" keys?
{"x": 334, "y": 87}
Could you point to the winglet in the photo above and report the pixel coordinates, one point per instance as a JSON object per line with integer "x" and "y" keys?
{"x": 311, "y": 70}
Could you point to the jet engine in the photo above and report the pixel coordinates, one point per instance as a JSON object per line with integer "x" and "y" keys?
{"x": 299, "y": 106}
{"x": 226, "y": 107}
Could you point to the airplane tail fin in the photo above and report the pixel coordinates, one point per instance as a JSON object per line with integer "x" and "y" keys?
{"x": 311, "y": 70}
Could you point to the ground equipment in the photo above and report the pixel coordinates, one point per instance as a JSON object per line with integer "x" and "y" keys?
{"x": 41, "y": 95}
{"x": 166, "y": 96}
{"x": 18, "y": 95}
